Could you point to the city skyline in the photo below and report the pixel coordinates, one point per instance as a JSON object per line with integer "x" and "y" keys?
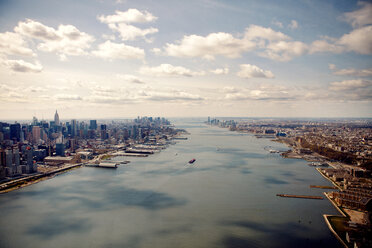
{"x": 120, "y": 59}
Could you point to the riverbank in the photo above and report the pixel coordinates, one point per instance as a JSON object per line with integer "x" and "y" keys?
{"x": 29, "y": 180}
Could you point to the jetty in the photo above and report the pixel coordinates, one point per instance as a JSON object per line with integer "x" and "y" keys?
{"x": 323, "y": 187}
{"x": 301, "y": 196}
{"x": 123, "y": 154}
{"x": 103, "y": 165}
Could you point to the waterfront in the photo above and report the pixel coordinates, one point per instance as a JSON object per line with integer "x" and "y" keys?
{"x": 227, "y": 198}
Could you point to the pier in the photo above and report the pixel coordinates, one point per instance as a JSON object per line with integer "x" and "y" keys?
{"x": 301, "y": 196}
{"x": 323, "y": 187}
{"x": 103, "y": 165}
{"x": 122, "y": 154}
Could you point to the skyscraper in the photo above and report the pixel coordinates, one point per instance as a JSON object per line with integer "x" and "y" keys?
{"x": 36, "y": 133}
{"x": 15, "y": 131}
{"x": 56, "y": 119}
{"x": 93, "y": 124}
{"x": 73, "y": 128}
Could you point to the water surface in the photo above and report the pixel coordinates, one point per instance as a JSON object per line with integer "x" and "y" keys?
{"x": 226, "y": 199}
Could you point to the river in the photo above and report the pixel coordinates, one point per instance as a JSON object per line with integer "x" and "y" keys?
{"x": 227, "y": 198}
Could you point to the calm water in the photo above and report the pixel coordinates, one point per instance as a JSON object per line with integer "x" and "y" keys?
{"x": 226, "y": 199}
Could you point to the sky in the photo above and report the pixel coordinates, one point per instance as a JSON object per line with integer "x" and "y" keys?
{"x": 174, "y": 58}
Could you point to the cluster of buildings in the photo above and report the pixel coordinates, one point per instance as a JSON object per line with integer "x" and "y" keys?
{"x": 349, "y": 140}
{"x": 350, "y": 137}
{"x": 36, "y": 146}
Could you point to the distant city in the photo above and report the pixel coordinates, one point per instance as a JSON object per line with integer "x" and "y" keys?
{"x": 43, "y": 148}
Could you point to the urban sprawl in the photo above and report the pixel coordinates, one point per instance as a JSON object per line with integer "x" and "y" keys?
{"x": 30, "y": 152}
{"x": 341, "y": 151}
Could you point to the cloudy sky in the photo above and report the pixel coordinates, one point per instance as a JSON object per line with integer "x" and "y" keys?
{"x": 111, "y": 58}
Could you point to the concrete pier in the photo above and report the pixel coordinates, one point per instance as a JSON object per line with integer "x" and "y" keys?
{"x": 301, "y": 196}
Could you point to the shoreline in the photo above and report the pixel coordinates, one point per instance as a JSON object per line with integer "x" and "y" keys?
{"x": 30, "y": 180}
{"x": 14, "y": 184}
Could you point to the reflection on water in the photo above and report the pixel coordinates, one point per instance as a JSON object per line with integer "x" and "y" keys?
{"x": 225, "y": 199}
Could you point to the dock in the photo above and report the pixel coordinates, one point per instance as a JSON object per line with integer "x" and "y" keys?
{"x": 301, "y": 196}
{"x": 122, "y": 154}
{"x": 323, "y": 187}
{"x": 103, "y": 165}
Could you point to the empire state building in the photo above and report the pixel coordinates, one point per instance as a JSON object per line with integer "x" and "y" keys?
{"x": 56, "y": 119}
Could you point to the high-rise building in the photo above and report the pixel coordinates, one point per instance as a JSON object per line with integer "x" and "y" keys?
{"x": 36, "y": 134}
{"x": 74, "y": 131}
{"x": 104, "y": 134}
{"x": 60, "y": 149}
{"x": 16, "y": 156}
{"x": 8, "y": 158}
{"x": 15, "y": 132}
{"x": 56, "y": 119}
{"x": 30, "y": 160}
{"x": 93, "y": 124}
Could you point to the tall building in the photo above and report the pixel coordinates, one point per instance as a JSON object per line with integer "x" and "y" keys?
{"x": 56, "y": 119}
{"x": 15, "y": 131}
{"x": 36, "y": 134}
{"x": 16, "y": 156}
{"x": 60, "y": 149}
{"x": 93, "y": 124}
{"x": 104, "y": 132}
{"x": 30, "y": 161}
{"x": 74, "y": 125}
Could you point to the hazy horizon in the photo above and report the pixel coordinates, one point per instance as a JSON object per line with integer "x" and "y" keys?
{"x": 112, "y": 58}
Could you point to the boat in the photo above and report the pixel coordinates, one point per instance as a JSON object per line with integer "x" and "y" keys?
{"x": 192, "y": 161}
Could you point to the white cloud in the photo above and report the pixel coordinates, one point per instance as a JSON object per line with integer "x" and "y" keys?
{"x": 252, "y": 71}
{"x": 268, "y": 42}
{"x": 351, "y": 71}
{"x": 360, "y": 17}
{"x": 358, "y": 40}
{"x": 260, "y": 94}
{"x": 66, "y": 40}
{"x": 258, "y": 32}
{"x": 142, "y": 94}
{"x": 284, "y": 50}
{"x": 156, "y": 51}
{"x": 35, "y": 89}
{"x": 172, "y": 96}
{"x": 353, "y": 90}
{"x": 277, "y": 23}
{"x": 14, "y": 44}
{"x": 209, "y": 46}
{"x": 22, "y": 66}
{"x": 36, "y": 30}
{"x": 110, "y": 50}
{"x": 120, "y": 22}
{"x": 325, "y": 46}
{"x": 332, "y": 66}
{"x": 293, "y": 24}
{"x": 220, "y": 71}
{"x": 130, "y": 32}
{"x": 165, "y": 70}
{"x": 130, "y": 78}
{"x": 347, "y": 85}
{"x": 67, "y": 97}
{"x": 129, "y": 16}
{"x": 229, "y": 89}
